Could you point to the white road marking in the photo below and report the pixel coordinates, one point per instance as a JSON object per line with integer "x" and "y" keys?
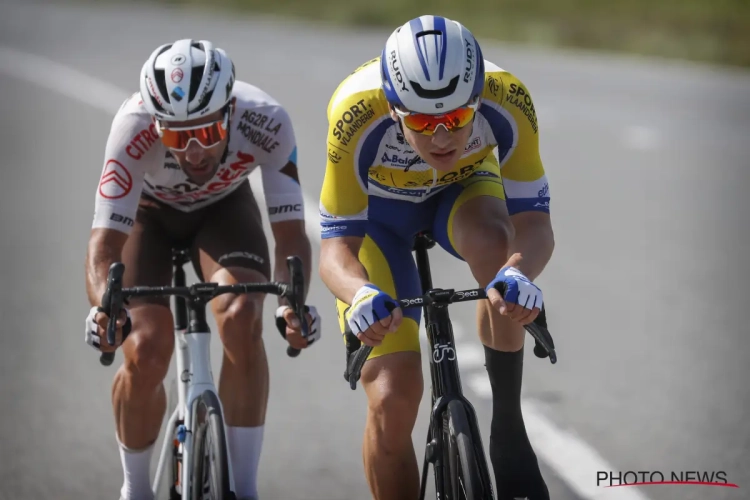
{"x": 62, "y": 79}
{"x": 480, "y": 383}
{"x": 567, "y": 454}
{"x": 640, "y": 138}
{"x": 573, "y": 460}
{"x": 458, "y": 332}
{"x": 470, "y": 356}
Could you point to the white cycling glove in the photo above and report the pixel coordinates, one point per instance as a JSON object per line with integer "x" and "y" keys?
{"x": 314, "y": 330}
{"x": 90, "y": 334}
{"x": 368, "y": 307}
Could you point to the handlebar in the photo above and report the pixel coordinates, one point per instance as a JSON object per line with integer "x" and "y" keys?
{"x": 544, "y": 344}
{"x": 115, "y": 296}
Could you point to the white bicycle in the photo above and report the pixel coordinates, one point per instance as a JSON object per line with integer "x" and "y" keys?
{"x": 200, "y": 466}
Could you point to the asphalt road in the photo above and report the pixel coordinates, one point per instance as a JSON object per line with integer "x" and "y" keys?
{"x": 647, "y": 161}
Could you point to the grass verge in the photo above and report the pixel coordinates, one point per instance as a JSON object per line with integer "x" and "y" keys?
{"x": 716, "y": 31}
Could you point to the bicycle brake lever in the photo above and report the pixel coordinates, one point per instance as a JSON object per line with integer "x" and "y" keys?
{"x": 544, "y": 344}
{"x": 111, "y": 303}
{"x": 111, "y": 300}
{"x": 296, "y": 298}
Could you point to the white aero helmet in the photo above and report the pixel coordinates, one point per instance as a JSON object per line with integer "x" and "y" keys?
{"x": 432, "y": 65}
{"x": 186, "y": 79}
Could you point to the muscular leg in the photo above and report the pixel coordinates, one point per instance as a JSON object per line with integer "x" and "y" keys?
{"x": 138, "y": 393}
{"x": 393, "y": 384}
{"x": 243, "y": 383}
{"x": 482, "y": 233}
{"x": 392, "y": 377}
{"x": 138, "y": 396}
{"x": 484, "y": 242}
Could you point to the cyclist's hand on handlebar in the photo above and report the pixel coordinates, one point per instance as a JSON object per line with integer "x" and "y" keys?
{"x": 96, "y": 329}
{"x": 291, "y": 329}
{"x": 522, "y": 301}
{"x": 372, "y": 315}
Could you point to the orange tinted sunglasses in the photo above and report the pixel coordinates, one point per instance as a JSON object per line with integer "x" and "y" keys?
{"x": 423, "y": 123}
{"x": 209, "y": 135}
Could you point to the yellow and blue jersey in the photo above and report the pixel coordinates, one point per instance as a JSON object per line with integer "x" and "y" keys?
{"x": 368, "y": 155}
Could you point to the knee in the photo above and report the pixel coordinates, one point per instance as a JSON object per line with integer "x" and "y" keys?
{"x": 488, "y": 248}
{"x": 494, "y": 234}
{"x": 148, "y": 349}
{"x": 393, "y": 411}
{"x": 239, "y": 319}
{"x": 393, "y": 404}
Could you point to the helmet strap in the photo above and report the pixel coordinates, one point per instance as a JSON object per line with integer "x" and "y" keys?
{"x": 230, "y": 112}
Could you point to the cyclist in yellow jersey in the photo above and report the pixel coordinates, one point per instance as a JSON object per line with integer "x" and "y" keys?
{"x": 410, "y": 148}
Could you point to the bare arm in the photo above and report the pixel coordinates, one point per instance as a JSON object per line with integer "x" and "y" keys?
{"x": 291, "y": 239}
{"x": 104, "y": 248}
{"x": 340, "y": 268}
{"x": 534, "y": 241}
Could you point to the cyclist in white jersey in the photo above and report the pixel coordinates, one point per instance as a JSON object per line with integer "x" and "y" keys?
{"x": 175, "y": 173}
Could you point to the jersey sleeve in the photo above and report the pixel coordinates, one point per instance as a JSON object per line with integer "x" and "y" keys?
{"x": 125, "y": 164}
{"x": 524, "y": 179}
{"x": 281, "y": 186}
{"x": 343, "y": 197}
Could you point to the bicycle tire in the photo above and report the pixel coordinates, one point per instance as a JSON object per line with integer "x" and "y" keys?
{"x": 172, "y": 469}
{"x": 464, "y": 479}
{"x": 210, "y": 436}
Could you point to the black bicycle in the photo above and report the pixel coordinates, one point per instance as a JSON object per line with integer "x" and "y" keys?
{"x": 199, "y": 465}
{"x": 454, "y": 443}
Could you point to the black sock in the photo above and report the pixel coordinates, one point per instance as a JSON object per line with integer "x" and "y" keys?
{"x": 516, "y": 469}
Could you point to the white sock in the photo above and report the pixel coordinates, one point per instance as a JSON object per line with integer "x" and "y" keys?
{"x": 245, "y": 444}
{"x": 136, "y": 469}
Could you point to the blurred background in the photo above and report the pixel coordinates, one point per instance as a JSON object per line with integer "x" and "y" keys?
{"x": 705, "y": 30}
{"x": 644, "y": 115}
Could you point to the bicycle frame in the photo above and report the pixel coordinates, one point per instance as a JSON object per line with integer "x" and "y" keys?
{"x": 444, "y": 372}
{"x": 192, "y": 342}
{"x": 445, "y": 376}
{"x": 194, "y": 376}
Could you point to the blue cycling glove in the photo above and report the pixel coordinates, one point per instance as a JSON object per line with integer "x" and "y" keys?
{"x": 519, "y": 289}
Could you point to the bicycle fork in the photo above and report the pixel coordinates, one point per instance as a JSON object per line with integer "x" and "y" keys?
{"x": 194, "y": 377}
{"x": 446, "y": 387}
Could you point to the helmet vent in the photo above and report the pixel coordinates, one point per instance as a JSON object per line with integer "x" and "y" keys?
{"x": 435, "y": 93}
{"x": 429, "y": 32}
{"x": 195, "y": 80}
{"x": 161, "y": 84}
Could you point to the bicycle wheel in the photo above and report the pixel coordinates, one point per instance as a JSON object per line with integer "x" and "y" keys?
{"x": 210, "y": 479}
{"x": 173, "y": 468}
{"x": 463, "y": 481}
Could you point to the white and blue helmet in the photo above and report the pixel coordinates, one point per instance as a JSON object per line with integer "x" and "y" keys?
{"x": 432, "y": 65}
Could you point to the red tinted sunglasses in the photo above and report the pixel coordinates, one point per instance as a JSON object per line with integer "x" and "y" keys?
{"x": 207, "y": 135}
